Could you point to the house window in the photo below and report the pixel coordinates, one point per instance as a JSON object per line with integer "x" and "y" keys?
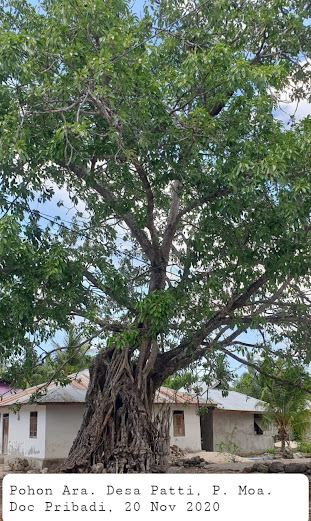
{"x": 33, "y": 425}
{"x": 257, "y": 424}
{"x": 178, "y": 423}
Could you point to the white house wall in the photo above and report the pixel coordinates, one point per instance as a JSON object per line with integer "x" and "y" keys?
{"x": 191, "y": 441}
{"x": 62, "y": 424}
{"x": 19, "y": 442}
{"x": 243, "y": 435}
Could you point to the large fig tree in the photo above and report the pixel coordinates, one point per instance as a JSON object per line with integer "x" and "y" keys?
{"x": 193, "y": 196}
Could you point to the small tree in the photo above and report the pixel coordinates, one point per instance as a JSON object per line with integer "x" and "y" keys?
{"x": 286, "y": 407}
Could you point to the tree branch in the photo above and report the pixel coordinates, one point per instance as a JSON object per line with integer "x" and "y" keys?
{"x": 259, "y": 370}
{"x": 171, "y": 221}
{"x": 175, "y": 215}
{"x": 115, "y": 327}
{"x": 106, "y": 289}
{"x": 190, "y": 349}
{"x": 140, "y": 236}
{"x": 252, "y": 288}
{"x": 150, "y": 209}
{"x": 78, "y": 346}
{"x": 204, "y": 199}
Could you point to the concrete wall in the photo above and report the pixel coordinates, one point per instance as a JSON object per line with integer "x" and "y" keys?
{"x": 58, "y": 425}
{"x": 243, "y": 435}
{"x": 191, "y": 441}
{"x": 62, "y": 424}
{"x": 19, "y": 443}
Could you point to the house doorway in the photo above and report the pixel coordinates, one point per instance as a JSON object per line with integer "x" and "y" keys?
{"x": 207, "y": 430}
{"x": 5, "y": 433}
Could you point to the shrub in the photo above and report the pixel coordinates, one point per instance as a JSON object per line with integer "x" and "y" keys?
{"x": 304, "y": 447}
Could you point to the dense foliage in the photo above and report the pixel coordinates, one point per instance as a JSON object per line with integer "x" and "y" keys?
{"x": 164, "y": 128}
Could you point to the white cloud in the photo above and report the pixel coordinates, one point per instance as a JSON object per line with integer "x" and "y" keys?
{"x": 67, "y": 210}
{"x": 292, "y": 107}
{"x": 296, "y": 109}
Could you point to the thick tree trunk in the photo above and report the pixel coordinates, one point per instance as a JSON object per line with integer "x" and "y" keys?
{"x": 118, "y": 427}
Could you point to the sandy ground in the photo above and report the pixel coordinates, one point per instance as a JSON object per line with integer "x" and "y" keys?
{"x": 291, "y": 444}
{"x": 224, "y": 462}
{"x": 216, "y": 457}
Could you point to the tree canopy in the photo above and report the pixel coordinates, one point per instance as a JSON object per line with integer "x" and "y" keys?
{"x": 195, "y": 225}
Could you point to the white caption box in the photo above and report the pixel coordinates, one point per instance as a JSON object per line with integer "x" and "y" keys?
{"x": 186, "y": 497}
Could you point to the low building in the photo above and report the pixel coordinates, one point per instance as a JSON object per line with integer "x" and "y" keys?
{"x": 43, "y": 431}
{"x": 235, "y": 424}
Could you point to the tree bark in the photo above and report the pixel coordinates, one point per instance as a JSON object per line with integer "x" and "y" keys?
{"x": 283, "y": 437}
{"x": 118, "y": 427}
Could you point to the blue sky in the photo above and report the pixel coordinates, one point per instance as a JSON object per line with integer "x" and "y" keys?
{"x": 137, "y": 6}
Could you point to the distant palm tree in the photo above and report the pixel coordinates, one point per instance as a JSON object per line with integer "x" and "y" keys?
{"x": 285, "y": 406}
{"x": 68, "y": 358}
{"x": 249, "y": 383}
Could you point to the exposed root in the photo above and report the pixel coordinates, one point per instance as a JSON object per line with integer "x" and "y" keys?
{"x": 118, "y": 429}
